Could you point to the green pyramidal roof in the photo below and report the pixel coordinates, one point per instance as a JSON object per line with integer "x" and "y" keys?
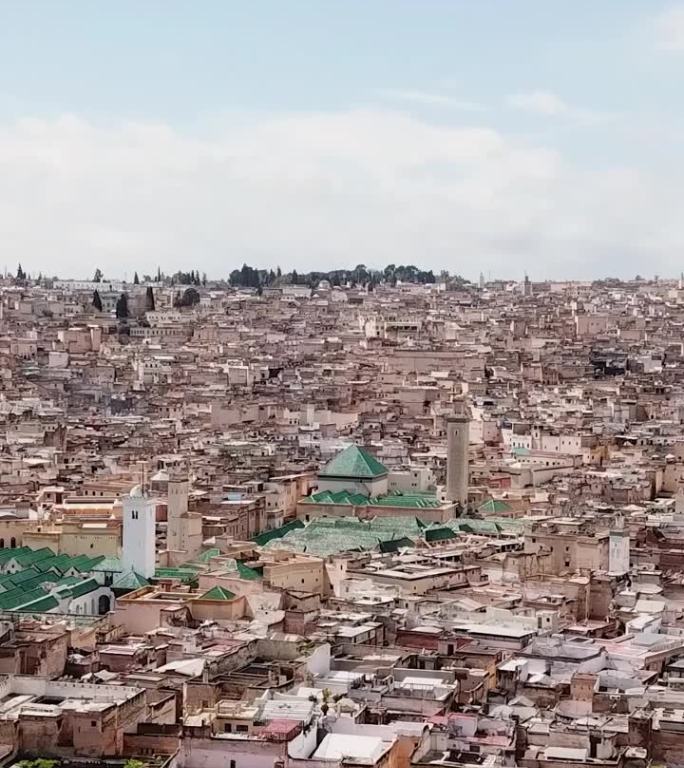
{"x": 130, "y": 580}
{"x": 218, "y": 593}
{"x": 354, "y": 462}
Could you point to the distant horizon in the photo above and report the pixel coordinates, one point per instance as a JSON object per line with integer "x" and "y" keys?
{"x": 129, "y": 279}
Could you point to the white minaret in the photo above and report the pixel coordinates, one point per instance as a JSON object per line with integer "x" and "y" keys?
{"x": 139, "y": 533}
{"x": 618, "y": 548}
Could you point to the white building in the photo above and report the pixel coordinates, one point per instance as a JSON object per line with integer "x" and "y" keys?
{"x": 139, "y": 533}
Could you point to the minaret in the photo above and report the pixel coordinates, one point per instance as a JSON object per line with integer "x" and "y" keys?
{"x": 177, "y": 513}
{"x": 618, "y": 548}
{"x": 458, "y": 438}
{"x": 679, "y": 504}
{"x": 139, "y": 539}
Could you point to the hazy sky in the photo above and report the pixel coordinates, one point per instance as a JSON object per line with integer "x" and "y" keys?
{"x": 505, "y": 136}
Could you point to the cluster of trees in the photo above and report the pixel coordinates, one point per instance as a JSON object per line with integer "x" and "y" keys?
{"x": 188, "y": 298}
{"x": 248, "y": 277}
{"x": 189, "y": 278}
{"x": 192, "y": 277}
{"x": 122, "y": 307}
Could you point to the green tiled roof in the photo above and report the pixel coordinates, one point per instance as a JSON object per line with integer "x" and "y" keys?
{"x": 442, "y": 533}
{"x": 263, "y": 538}
{"x": 397, "y": 499}
{"x": 59, "y": 563}
{"x": 330, "y": 535}
{"x": 394, "y": 545}
{"x": 85, "y": 586}
{"x": 183, "y": 574}
{"x": 246, "y": 572}
{"x": 112, "y": 564}
{"x": 68, "y": 581}
{"x": 26, "y": 556}
{"x": 8, "y": 553}
{"x": 494, "y": 506}
{"x": 486, "y": 527}
{"x": 34, "y": 580}
{"x": 205, "y": 557}
{"x": 42, "y": 605}
{"x": 130, "y": 581}
{"x": 16, "y": 597}
{"x": 354, "y": 462}
{"x": 218, "y": 593}
{"x": 85, "y": 563}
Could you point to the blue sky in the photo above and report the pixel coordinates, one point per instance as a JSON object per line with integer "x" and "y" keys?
{"x": 535, "y": 135}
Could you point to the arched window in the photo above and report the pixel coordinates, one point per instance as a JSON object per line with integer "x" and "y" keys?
{"x": 13, "y": 542}
{"x": 2, "y": 543}
{"x": 103, "y": 605}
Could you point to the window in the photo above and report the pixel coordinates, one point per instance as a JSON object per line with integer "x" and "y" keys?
{"x": 13, "y": 542}
{"x": 232, "y": 764}
{"x": 241, "y": 728}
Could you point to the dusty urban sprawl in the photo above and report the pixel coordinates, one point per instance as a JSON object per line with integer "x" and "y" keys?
{"x": 378, "y": 522}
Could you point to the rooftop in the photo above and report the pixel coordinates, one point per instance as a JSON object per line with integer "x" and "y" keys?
{"x": 354, "y": 462}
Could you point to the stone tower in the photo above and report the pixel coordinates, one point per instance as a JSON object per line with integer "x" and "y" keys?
{"x": 177, "y": 512}
{"x": 458, "y": 438}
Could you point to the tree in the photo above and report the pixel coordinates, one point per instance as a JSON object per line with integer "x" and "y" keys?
{"x": 159, "y": 275}
{"x": 131, "y": 763}
{"x": 295, "y": 277}
{"x": 97, "y": 301}
{"x": 136, "y": 279}
{"x": 41, "y": 762}
{"x": 97, "y": 277}
{"x": 21, "y": 275}
{"x": 190, "y": 297}
{"x": 149, "y": 299}
{"x": 204, "y": 278}
{"x": 122, "y": 307}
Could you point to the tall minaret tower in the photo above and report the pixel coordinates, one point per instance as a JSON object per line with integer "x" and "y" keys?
{"x": 177, "y": 515}
{"x": 458, "y": 439}
{"x": 139, "y": 539}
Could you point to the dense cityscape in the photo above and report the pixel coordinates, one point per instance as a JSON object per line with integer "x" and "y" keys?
{"x": 372, "y": 517}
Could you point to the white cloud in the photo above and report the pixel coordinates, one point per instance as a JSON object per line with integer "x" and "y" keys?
{"x": 669, "y": 29}
{"x": 540, "y": 102}
{"x": 551, "y": 105}
{"x": 429, "y": 98}
{"x": 317, "y": 191}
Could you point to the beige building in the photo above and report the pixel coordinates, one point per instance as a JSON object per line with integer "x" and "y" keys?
{"x": 570, "y": 545}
